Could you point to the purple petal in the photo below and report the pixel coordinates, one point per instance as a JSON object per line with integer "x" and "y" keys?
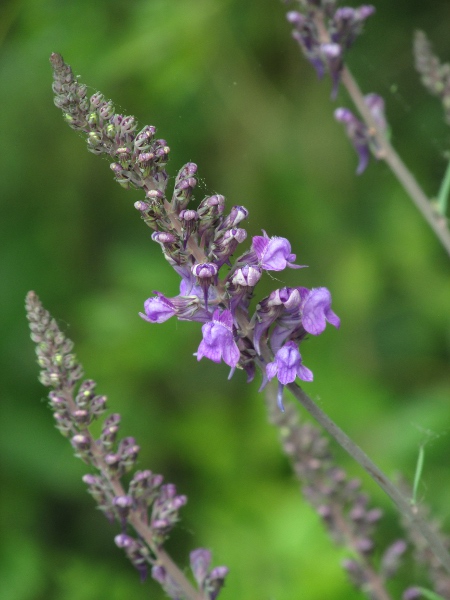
{"x": 218, "y": 340}
{"x": 317, "y": 310}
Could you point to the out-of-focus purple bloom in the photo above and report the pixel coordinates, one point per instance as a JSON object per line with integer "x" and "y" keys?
{"x": 218, "y": 340}
{"x": 357, "y": 132}
{"x": 360, "y": 136}
{"x": 375, "y": 104}
{"x": 316, "y": 310}
{"x": 274, "y": 254}
{"x": 158, "y": 310}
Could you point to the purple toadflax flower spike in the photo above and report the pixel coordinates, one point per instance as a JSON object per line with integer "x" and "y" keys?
{"x": 325, "y": 34}
{"x": 198, "y": 242}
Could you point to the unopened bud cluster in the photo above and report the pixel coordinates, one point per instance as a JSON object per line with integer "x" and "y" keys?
{"x": 339, "y": 501}
{"x": 435, "y": 75}
{"x": 146, "y": 500}
{"x": 199, "y": 243}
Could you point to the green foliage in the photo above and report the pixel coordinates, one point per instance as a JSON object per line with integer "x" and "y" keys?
{"x": 226, "y": 86}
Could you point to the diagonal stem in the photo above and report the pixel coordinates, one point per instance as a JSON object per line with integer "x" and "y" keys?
{"x": 410, "y": 512}
{"x": 437, "y": 222}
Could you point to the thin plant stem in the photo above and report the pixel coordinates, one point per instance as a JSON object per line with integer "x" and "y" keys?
{"x": 444, "y": 190}
{"x": 434, "y": 218}
{"x": 410, "y": 512}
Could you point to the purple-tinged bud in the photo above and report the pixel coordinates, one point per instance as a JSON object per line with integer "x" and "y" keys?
{"x": 332, "y": 55}
{"x": 188, "y": 215}
{"x": 144, "y": 137}
{"x": 91, "y": 479}
{"x": 57, "y": 402}
{"x": 294, "y": 17}
{"x": 158, "y": 310}
{"x": 206, "y": 274}
{"x": 96, "y": 100}
{"x": 391, "y": 559}
{"x": 81, "y": 442}
{"x": 141, "y": 206}
{"x": 124, "y": 155}
{"x": 106, "y": 110}
{"x": 186, "y": 184}
{"x": 112, "y": 460}
{"x": 63, "y": 423}
{"x": 237, "y": 214}
{"x": 123, "y": 505}
{"x": 123, "y": 541}
{"x": 155, "y": 196}
{"x": 116, "y": 169}
{"x": 159, "y": 574}
{"x": 135, "y": 550}
{"x": 164, "y": 238}
{"x": 215, "y": 581}
{"x": 98, "y": 405}
{"x": 144, "y": 158}
{"x": 373, "y": 515}
{"x": 128, "y": 124}
{"x": 110, "y": 430}
{"x": 200, "y": 560}
{"x": 247, "y": 276}
{"x": 128, "y": 451}
{"x": 81, "y": 417}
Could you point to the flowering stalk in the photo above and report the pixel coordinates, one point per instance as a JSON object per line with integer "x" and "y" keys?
{"x": 147, "y": 506}
{"x": 343, "y": 508}
{"x": 325, "y": 34}
{"x": 198, "y": 243}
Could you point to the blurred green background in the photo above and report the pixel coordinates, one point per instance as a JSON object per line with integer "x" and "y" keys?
{"x": 228, "y": 89}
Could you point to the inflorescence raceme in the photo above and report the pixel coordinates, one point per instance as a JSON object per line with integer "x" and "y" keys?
{"x": 146, "y": 509}
{"x": 325, "y": 34}
{"x": 197, "y": 243}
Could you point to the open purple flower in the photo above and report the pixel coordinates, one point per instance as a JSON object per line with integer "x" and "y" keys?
{"x": 287, "y": 366}
{"x": 316, "y": 310}
{"x": 274, "y": 254}
{"x": 218, "y": 340}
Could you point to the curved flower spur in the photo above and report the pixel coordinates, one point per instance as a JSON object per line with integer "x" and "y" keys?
{"x": 197, "y": 243}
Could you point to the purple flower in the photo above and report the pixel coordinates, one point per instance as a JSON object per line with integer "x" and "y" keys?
{"x": 288, "y": 365}
{"x": 218, "y": 340}
{"x": 316, "y": 310}
{"x": 274, "y": 254}
{"x": 357, "y": 132}
{"x": 158, "y": 310}
{"x": 360, "y": 136}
